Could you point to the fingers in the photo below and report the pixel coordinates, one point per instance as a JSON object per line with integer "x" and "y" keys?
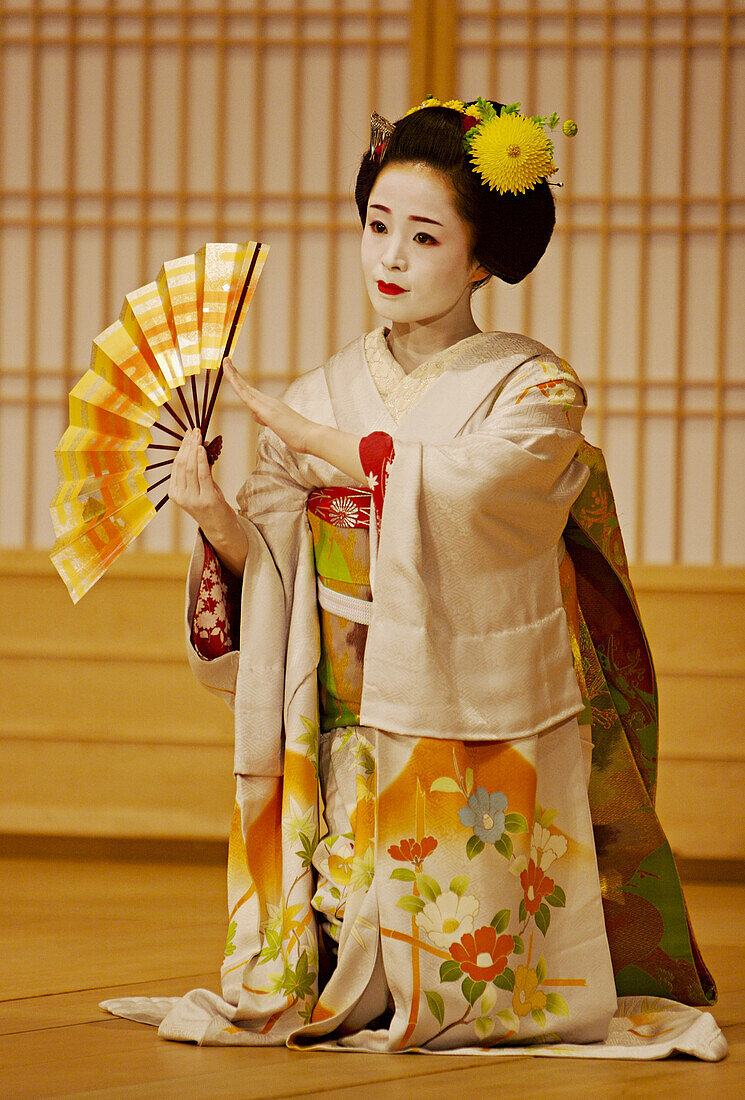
{"x": 233, "y": 376}
{"x": 250, "y": 397}
{"x": 203, "y": 471}
{"x": 184, "y": 468}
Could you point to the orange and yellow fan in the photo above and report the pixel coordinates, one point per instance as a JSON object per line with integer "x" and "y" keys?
{"x": 139, "y": 398}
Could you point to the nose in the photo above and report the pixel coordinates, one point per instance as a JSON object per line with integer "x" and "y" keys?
{"x": 394, "y": 257}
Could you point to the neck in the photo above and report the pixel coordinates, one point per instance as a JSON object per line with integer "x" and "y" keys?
{"x": 412, "y": 344}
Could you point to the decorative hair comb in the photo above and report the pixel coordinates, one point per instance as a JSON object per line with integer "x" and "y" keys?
{"x": 380, "y": 133}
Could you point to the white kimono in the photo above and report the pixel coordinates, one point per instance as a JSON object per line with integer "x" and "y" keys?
{"x": 453, "y": 868}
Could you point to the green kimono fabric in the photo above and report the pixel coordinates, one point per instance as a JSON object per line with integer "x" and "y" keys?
{"x": 652, "y": 944}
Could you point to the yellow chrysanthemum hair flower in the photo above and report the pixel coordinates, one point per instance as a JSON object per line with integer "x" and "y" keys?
{"x": 511, "y": 153}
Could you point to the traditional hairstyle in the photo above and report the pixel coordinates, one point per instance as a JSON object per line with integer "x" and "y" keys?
{"x": 510, "y": 231}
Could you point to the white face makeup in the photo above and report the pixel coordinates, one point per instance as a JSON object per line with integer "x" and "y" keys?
{"x": 416, "y": 248}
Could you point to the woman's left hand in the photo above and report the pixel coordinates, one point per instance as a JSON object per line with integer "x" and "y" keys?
{"x": 300, "y": 434}
{"x": 291, "y": 427}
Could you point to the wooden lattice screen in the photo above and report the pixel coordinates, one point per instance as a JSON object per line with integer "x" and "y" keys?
{"x": 131, "y": 132}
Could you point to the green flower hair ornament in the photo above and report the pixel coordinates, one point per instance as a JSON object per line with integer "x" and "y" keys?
{"x": 511, "y": 152}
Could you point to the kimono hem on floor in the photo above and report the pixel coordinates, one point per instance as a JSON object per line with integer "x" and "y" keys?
{"x": 444, "y": 837}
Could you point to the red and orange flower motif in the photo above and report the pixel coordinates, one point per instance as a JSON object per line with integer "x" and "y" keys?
{"x": 483, "y": 954}
{"x": 536, "y": 886}
{"x": 413, "y": 851}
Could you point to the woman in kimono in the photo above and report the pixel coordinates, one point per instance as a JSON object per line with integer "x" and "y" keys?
{"x": 422, "y": 617}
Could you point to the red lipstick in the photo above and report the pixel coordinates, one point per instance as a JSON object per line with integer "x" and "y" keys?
{"x": 390, "y": 288}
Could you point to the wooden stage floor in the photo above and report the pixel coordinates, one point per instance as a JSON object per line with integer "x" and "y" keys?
{"x": 77, "y": 930}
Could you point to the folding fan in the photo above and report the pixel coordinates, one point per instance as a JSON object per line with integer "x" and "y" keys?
{"x": 123, "y": 412}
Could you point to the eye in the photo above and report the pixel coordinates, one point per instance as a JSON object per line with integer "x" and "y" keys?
{"x": 377, "y": 226}
{"x": 425, "y": 238}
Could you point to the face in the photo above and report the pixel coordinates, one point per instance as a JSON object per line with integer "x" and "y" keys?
{"x": 416, "y": 248}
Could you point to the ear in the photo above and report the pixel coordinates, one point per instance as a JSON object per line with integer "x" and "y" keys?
{"x": 479, "y": 274}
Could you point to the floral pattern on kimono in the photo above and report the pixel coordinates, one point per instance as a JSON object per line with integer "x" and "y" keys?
{"x": 418, "y": 950}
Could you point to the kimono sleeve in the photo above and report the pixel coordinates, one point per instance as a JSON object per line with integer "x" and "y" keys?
{"x": 467, "y": 581}
{"x": 277, "y": 602}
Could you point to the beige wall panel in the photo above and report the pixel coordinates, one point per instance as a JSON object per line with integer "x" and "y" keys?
{"x": 74, "y": 788}
{"x": 136, "y": 611}
{"x": 696, "y": 632}
{"x": 697, "y": 804}
{"x": 110, "y": 699}
{"x": 702, "y": 716}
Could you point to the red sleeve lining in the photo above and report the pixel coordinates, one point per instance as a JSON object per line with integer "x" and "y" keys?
{"x": 215, "y": 627}
{"x": 376, "y": 455}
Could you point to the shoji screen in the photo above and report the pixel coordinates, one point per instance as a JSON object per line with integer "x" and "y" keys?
{"x": 133, "y": 131}
{"x": 643, "y": 289}
{"x": 130, "y": 133}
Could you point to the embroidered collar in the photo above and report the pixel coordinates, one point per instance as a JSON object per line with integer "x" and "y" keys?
{"x": 401, "y": 391}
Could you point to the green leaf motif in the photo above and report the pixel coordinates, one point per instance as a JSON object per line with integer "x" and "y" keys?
{"x": 472, "y": 990}
{"x": 229, "y": 945}
{"x": 541, "y": 970}
{"x": 509, "y": 1019}
{"x": 522, "y": 911}
{"x": 545, "y": 818}
{"x": 310, "y": 738}
{"x": 558, "y": 898}
{"x": 436, "y": 1005}
{"x": 539, "y": 1016}
{"x": 450, "y": 971}
{"x": 543, "y": 918}
{"x": 474, "y": 846}
{"x": 272, "y": 948}
{"x": 484, "y": 1027}
{"x": 505, "y": 980}
{"x": 428, "y": 887}
{"x": 298, "y": 982}
{"x": 447, "y": 784}
{"x": 469, "y": 780}
{"x": 459, "y": 885}
{"x": 308, "y": 848}
{"x": 500, "y": 920}
{"x": 410, "y": 903}
{"x": 403, "y": 874}
{"x": 556, "y": 1005}
{"x": 504, "y": 845}
{"x": 515, "y": 823}
{"x": 519, "y": 945}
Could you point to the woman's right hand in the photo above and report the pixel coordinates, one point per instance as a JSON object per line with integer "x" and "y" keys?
{"x": 193, "y": 488}
{"x": 192, "y": 485}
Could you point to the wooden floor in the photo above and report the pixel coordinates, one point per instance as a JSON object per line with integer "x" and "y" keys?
{"x": 77, "y": 930}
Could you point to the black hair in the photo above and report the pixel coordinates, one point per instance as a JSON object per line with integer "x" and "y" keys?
{"x": 510, "y": 232}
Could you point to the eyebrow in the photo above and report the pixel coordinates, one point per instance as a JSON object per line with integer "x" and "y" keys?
{"x": 411, "y": 218}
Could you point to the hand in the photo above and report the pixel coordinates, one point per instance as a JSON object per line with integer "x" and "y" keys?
{"x": 194, "y": 489}
{"x": 192, "y": 485}
{"x": 300, "y": 434}
{"x": 294, "y": 429}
